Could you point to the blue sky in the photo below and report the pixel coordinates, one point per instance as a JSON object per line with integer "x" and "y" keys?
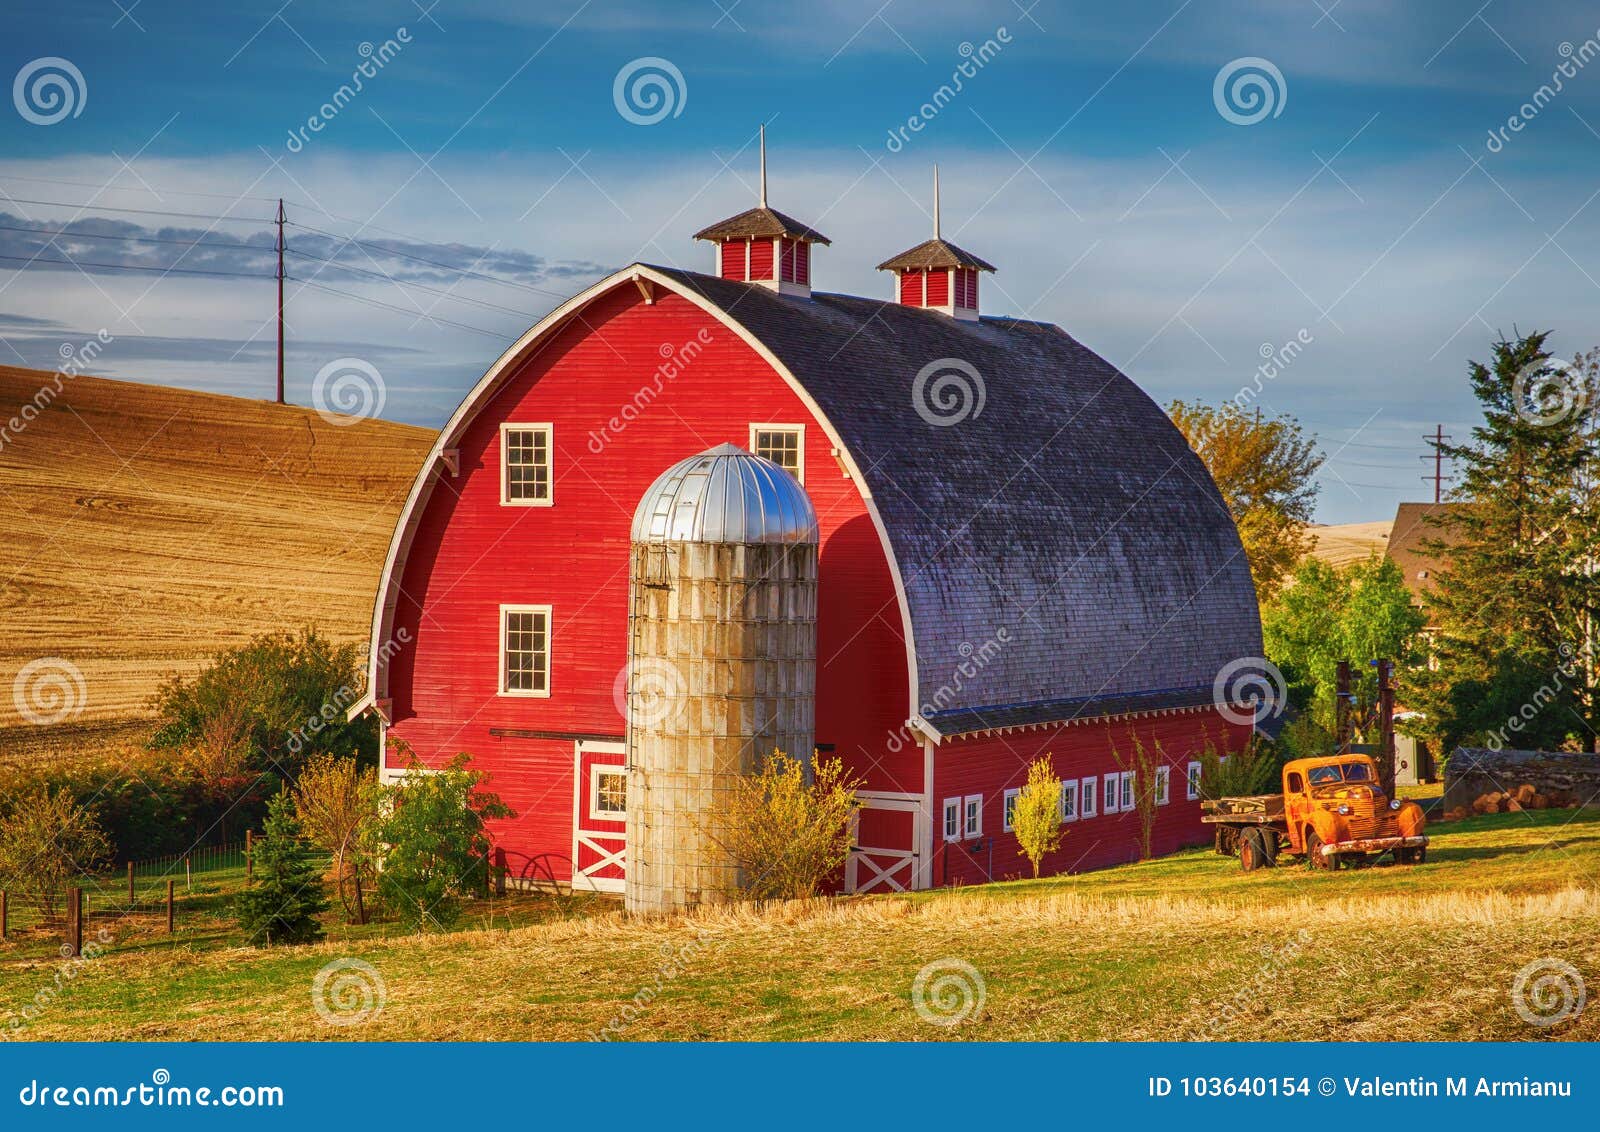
{"x": 1368, "y": 216}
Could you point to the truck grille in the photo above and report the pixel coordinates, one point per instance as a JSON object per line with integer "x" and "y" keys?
{"x": 1363, "y": 818}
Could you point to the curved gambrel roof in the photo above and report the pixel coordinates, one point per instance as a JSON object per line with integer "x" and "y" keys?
{"x": 1059, "y": 549}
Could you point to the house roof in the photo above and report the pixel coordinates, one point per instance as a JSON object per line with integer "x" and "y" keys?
{"x": 1061, "y": 548}
{"x": 1415, "y": 525}
{"x": 934, "y": 253}
{"x": 758, "y": 223}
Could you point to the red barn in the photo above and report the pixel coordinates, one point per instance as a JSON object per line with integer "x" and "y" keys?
{"x": 1020, "y": 555}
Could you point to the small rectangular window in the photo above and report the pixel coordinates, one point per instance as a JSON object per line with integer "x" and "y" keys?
{"x": 1163, "y": 784}
{"x": 1194, "y": 781}
{"x": 952, "y": 819}
{"x": 1007, "y": 820}
{"x": 608, "y": 793}
{"x": 1126, "y": 779}
{"x": 525, "y": 479}
{"x": 973, "y": 811}
{"x": 1069, "y": 799}
{"x": 525, "y": 650}
{"x": 1089, "y": 796}
{"x": 784, "y": 445}
{"x": 1113, "y": 794}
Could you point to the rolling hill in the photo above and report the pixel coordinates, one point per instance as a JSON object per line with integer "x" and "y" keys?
{"x": 1350, "y": 542}
{"x": 149, "y": 527}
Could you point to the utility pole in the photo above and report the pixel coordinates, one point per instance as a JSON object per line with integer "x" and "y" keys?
{"x": 280, "y": 300}
{"x": 1341, "y": 707}
{"x": 1386, "y": 725}
{"x": 1437, "y": 439}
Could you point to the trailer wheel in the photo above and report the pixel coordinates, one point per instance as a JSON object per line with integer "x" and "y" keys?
{"x": 1252, "y": 851}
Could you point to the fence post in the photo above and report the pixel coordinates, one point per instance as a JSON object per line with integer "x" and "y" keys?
{"x": 130, "y": 884}
{"x": 188, "y": 875}
{"x": 249, "y": 856}
{"x": 169, "y": 905}
{"x": 74, "y": 944}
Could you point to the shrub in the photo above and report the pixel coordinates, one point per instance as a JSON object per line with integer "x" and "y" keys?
{"x": 1252, "y": 770}
{"x": 286, "y": 899}
{"x": 47, "y": 839}
{"x": 1036, "y": 816}
{"x": 267, "y": 706}
{"x": 787, "y": 830}
{"x": 338, "y": 806}
{"x": 1144, "y": 763}
{"x": 434, "y": 843}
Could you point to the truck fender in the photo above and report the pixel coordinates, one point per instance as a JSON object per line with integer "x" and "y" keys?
{"x": 1326, "y": 826}
{"x": 1410, "y": 820}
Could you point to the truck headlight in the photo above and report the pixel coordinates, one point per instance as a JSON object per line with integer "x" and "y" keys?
{"x": 1394, "y": 803}
{"x": 1344, "y": 809}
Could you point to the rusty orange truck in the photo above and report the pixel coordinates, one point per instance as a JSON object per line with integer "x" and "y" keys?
{"x": 1332, "y": 811}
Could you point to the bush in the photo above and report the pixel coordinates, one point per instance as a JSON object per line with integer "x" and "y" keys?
{"x": 1255, "y": 769}
{"x": 47, "y": 839}
{"x": 788, "y": 831}
{"x": 267, "y": 706}
{"x": 1036, "y": 818}
{"x": 286, "y": 899}
{"x": 433, "y": 840}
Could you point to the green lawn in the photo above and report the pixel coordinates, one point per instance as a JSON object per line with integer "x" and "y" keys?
{"x": 1183, "y": 947}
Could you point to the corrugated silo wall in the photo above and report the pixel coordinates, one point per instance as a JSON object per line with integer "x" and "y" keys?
{"x": 722, "y": 667}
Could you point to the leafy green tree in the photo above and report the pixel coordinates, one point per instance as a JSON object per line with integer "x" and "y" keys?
{"x": 1036, "y": 818}
{"x": 46, "y": 839}
{"x": 788, "y": 826}
{"x": 1515, "y": 603}
{"x": 284, "y": 902}
{"x": 267, "y": 706}
{"x": 434, "y": 840}
{"x": 1360, "y": 613}
{"x": 1263, "y": 467}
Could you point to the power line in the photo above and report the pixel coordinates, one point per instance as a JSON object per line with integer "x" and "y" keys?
{"x": 135, "y": 239}
{"x": 134, "y": 267}
{"x": 409, "y": 283}
{"x": 131, "y": 189}
{"x": 138, "y": 211}
{"x": 400, "y": 310}
{"x": 468, "y": 272}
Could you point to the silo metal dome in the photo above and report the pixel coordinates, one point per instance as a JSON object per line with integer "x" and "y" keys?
{"x": 725, "y": 495}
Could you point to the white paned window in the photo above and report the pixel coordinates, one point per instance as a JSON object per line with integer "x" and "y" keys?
{"x": 524, "y": 650}
{"x": 525, "y": 479}
{"x": 1194, "y": 781}
{"x": 1088, "y": 796}
{"x": 1126, "y": 780}
{"x": 1113, "y": 794}
{"x": 1069, "y": 799}
{"x": 608, "y": 793}
{"x": 1163, "y": 784}
{"x": 1007, "y": 820}
{"x": 952, "y": 819}
{"x": 784, "y": 445}
{"x": 972, "y": 816}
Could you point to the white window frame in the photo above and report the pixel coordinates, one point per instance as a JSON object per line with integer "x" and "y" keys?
{"x": 952, "y": 819}
{"x": 1089, "y": 796}
{"x": 1111, "y": 800}
{"x": 972, "y": 819}
{"x": 1069, "y": 789}
{"x": 1126, "y": 780}
{"x": 595, "y": 771}
{"x": 550, "y": 465}
{"x": 1191, "y": 780}
{"x": 549, "y": 651}
{"x": 1163, "y": 785}
{"x": 1007, "y": 809}
{"x": 799, "y": 431}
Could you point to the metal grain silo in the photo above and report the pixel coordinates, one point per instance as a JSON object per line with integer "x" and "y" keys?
{"x": 722, "y": 651}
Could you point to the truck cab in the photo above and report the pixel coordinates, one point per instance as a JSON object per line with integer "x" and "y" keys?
{"x": 1335, "y": 808}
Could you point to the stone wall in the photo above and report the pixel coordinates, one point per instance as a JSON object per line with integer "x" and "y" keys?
{"x": 1511, "y": 780}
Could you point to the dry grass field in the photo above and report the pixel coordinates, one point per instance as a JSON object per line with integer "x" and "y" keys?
{"x": 1185, "y": 947}
{"x": 1350, "y": 542}
{"x": 148, "y": 527}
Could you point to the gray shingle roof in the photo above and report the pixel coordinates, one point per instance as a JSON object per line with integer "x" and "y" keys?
{"x": 760, "y": 222}
{"x": 1063, "y": 550}
{"x": 935, "y": 253}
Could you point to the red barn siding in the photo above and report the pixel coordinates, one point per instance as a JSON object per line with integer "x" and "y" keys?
{"x": 911, "y": 288}
{"x": 761, "y": 259}
{"x": 470, "y": 555}
{"x": 802, "y": 264}
{"x": 938, "y": 288}
{"x": 733, "y": 259}
{"x": 990, "y": 766}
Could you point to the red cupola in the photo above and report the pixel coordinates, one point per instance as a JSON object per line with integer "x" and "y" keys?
{"x": 936, "y": 274}
{"x": 763, "y": 245}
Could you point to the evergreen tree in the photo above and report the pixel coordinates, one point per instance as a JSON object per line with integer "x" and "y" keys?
{"x": 1515, "y": 602}
{"x": 283, "y": 903}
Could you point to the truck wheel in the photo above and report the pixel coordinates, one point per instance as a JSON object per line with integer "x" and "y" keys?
{"x": 1269, "y": 842}
{"x": 1314, "y": 855}
{"x": 1413, "y": 856}
{"x": 1252, "y": 851}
